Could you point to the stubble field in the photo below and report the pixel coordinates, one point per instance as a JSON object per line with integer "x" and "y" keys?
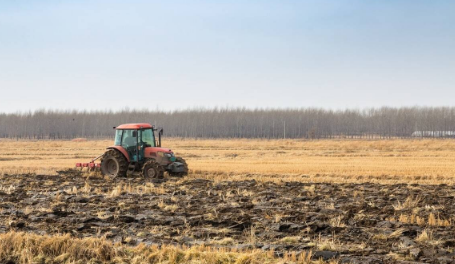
{"x": 245, "y": 201}
{"x": 338, "y": 161}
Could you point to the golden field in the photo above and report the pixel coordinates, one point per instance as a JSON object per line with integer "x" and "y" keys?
{"x": 32, "y": 248}
{"x": 428, "y": 161}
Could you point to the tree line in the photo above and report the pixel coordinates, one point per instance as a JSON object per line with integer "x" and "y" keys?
{"x": 311, "y": 123}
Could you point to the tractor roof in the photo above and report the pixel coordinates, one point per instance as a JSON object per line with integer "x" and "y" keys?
{"x": 134, "y": 126}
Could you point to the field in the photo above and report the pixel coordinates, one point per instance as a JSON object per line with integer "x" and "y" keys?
{"x": 337, "y": 161}
{"x": 245, "y": 201}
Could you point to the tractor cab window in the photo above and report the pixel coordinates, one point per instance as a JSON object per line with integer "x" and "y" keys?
{"x": 148, "y": 138}
{"x": 129, "y": 138}
{"x": 118, "y": 137}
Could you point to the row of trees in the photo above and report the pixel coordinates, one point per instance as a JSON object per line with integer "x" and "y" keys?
{"x": 383, "y": 122}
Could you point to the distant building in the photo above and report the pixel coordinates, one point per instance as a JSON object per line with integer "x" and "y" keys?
{"x": 436, "y": 134}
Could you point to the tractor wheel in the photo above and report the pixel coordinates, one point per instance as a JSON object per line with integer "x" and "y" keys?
{"x": 152, "y": 170}
{"x": 114, "y": 164}
{"x": 185, "y": 165}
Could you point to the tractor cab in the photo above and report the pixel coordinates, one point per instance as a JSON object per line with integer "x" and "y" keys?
{"x": 137, "y": 142}
{"x": 134, "y": 138}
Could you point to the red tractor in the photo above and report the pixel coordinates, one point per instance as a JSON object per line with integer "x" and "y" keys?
{"x": 136, "y": 149}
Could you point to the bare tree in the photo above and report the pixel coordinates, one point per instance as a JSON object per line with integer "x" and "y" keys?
{"x": 385, "y": 122}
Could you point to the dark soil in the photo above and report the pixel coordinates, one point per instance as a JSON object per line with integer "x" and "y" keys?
{"x": 356, "y": 223}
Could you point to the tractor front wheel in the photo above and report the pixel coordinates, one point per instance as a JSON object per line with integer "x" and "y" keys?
{"x": 114, "y": 164}
{"x": 152, "y": 170}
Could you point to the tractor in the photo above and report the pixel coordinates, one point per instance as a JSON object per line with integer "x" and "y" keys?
{"x": 137, "y": 151}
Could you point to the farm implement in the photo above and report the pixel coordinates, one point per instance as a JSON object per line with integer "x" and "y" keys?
{"x": 90, "y": 166}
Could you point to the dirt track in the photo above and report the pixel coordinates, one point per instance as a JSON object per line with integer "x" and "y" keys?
{"x": 357, "y": 223}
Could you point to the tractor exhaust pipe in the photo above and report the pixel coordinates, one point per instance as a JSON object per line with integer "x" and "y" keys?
{"x": 159, "y": 137}
{"x": 160, "y": 133}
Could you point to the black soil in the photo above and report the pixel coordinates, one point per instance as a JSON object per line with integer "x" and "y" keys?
{"x": 355, "y": 223}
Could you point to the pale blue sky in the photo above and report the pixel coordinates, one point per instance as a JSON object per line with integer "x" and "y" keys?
{"x": 178, "y": 54}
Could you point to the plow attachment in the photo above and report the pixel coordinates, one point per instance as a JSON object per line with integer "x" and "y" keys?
{"x": 91, "y": 166}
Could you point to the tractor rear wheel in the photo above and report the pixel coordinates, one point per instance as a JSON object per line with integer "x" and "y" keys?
{"x": 114, "y": 164}
{"x": 152, "y": 170}
{"x": 185, "y": 165}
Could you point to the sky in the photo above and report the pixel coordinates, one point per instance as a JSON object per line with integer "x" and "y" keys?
{"x": 176, "y": 54}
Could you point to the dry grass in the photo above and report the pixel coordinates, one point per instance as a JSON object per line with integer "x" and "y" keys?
{"x": 31, "y": 248}
{"x": 395, "y": 234}
{"x": 433, "y": 220}
{"x": 426, "y": 237}
{"x": 224, "y": 242}
{"x": 410, "y": 203}
{"x": 290, "y": 240}
{"x": 412, "y": 219}
{"x": 385, "y": 161}
{"x": 329, "y": 244}
{"x": 337, "y": 222}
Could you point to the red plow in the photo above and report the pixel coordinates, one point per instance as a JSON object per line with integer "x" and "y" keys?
{"x": 91, "y": 166}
